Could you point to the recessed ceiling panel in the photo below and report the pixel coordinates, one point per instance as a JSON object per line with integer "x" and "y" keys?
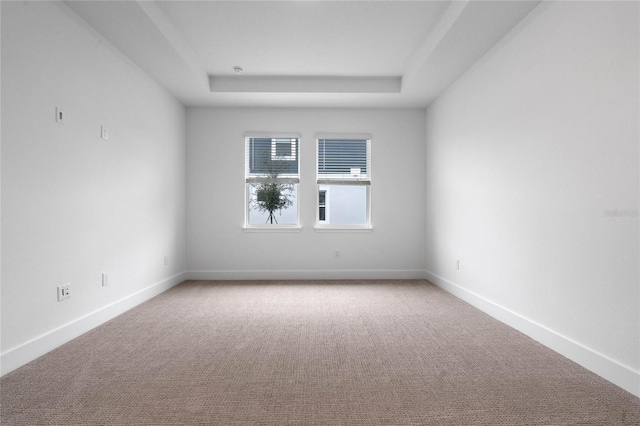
{"x": 359, "y": 38}
{"x": 303, "y": 53}
{"x": 275, "y": 84}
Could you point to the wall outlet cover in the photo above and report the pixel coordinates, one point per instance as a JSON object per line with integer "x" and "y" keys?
{"x": 63, "y": 292}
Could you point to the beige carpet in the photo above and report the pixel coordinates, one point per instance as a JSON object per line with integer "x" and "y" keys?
{"x": 323, "y": 353}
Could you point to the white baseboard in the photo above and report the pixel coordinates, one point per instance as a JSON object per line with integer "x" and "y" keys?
{"x": 308, "y": 275}
{"x": 39, "y": 346}
{"x": 607, "y": 368}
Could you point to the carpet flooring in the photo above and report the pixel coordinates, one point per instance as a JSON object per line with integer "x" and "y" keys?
{"x": 309, "y": 352}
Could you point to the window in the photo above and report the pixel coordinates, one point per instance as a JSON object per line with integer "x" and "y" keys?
{"x": 271, "y": 181}
{"x": 322, "y": 206}
{"x": 283, "y": 149}
{"x": 344, "y": 181}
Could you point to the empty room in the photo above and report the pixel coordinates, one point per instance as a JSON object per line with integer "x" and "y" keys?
{"x": 320, "y": 212}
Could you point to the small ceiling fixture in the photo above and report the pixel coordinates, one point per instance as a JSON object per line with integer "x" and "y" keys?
{"x": 238, "y": 70}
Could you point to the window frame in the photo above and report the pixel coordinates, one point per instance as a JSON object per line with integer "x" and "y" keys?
{"x": 252, "y": 180}
{"x": 322, "y": 226}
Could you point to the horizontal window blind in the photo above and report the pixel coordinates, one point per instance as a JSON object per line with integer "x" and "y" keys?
{"x": 272, "y": 160}
{"x": 344, "y": 161}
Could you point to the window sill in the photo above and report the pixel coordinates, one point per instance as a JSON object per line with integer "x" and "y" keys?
{"x": 275, "y": 228}
{"x": 355, "y": 228}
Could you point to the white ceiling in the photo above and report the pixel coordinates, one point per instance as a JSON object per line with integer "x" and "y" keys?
{"x": 304, "y": 53}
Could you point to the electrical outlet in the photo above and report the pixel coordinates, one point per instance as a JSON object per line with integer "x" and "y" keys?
{"x": 336, "y": 254}
{"x": 63, "y": 292}
{"x": 104, "y": 134}
{"x": 105, "y": 279}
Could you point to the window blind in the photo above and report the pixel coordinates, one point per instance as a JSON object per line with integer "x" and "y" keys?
{"x": 344, "y": 161}
{"x": 272, "y": 160}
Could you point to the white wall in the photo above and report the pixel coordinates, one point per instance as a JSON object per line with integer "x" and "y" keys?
{"x": 219, "y": 248}
{"x": 525, "y": 154}
{"x": 74, "y": 205}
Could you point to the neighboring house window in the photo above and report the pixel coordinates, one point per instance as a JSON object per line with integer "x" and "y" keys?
{"x": 322, "y": 206}
{"x": 344, "y": 181}
{"x": 271, "y": 180}
{"x": 284, "y": 149}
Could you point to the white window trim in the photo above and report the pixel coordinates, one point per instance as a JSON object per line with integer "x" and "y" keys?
{"x": 364, "y": 228}
{"x": 247, "y": 227}
{"x": 345, "y": 229}
{"x": 272, "y": 228}
{"x": 343, "y": 136}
